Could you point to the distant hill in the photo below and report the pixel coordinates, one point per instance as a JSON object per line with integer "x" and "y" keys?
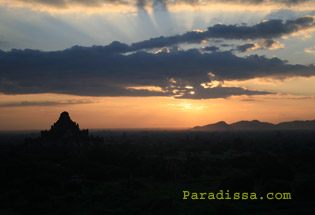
{"x": 257, "y": 125}
{"x": 219, "y": 126}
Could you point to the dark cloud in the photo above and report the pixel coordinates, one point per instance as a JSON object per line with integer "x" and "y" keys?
{"x": 219, "y": 92}
{"x": 245, "y": 47}
{"x": 44, "y": 103}
{"x": 226, "y": 45}
{"x": 94, "y": 71}
{"x": 268, "y": 43}
{"x": 262, "y": 44}
{"x": 265, "y": 30}
{"x": 248, "y": 100}
{"x": 211, "y": 48}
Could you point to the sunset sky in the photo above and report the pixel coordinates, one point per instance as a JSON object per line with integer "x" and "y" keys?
{"x": 155, "y": 63}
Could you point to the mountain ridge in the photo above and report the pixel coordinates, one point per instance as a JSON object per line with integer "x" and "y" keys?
{"x": 257, "y": 125}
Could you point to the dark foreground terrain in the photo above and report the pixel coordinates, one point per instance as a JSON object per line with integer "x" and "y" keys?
{"x": 146, "y": 172}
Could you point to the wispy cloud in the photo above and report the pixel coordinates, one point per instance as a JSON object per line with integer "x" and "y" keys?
{"x": 44, "y": 103}
{"x": 310, "y": 50}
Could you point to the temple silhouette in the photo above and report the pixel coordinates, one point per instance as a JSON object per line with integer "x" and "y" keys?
{"x": 66, "y": 134}
{"x": 65, "y": 130}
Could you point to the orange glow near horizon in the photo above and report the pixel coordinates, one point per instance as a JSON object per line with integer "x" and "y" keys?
{"x": 150, "y": 112}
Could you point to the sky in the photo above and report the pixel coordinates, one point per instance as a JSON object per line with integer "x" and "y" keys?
{"x": 155, "y": 63}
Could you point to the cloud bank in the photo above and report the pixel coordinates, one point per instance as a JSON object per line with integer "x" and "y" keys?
{"x": 119, "y": 69}
{"x": 94, "y": 72}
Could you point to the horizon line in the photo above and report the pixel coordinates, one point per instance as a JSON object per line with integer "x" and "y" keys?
{"x": 149, "y": 128}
